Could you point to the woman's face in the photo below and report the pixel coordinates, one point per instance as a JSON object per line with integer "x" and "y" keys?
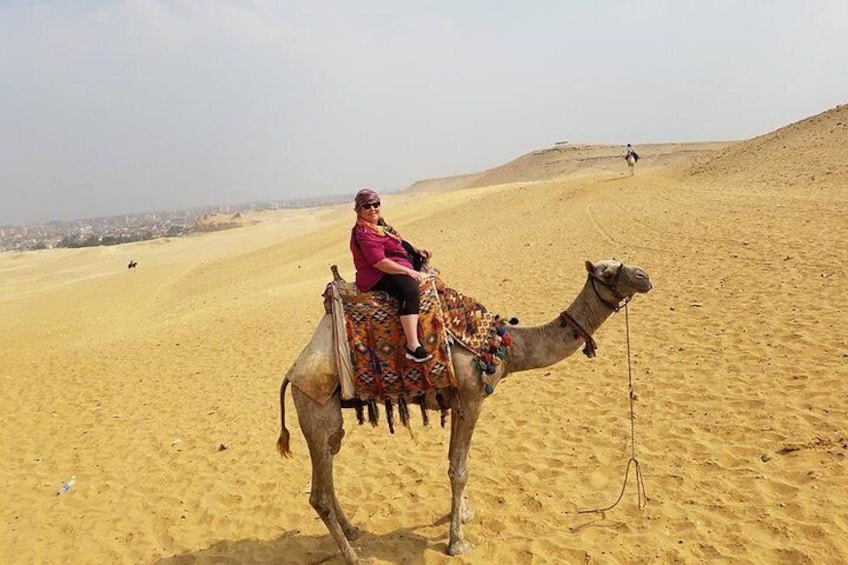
{"x": 369, "y": 211}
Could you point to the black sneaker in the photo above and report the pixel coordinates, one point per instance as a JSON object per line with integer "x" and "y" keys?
{"x": 419, "y": 355}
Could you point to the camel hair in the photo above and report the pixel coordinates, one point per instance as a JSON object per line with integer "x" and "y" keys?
{"x": 609, "y": 284}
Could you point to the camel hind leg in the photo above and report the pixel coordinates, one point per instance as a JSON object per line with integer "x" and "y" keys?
{"x": 322, "y": 428}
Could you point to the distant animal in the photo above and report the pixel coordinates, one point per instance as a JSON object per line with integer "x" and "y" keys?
{"x": 608, "y": 284}
{"x": 631, "y": 162}
{"x": 132, "y": 265}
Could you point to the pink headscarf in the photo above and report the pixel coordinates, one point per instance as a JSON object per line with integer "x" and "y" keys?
{"x": 365, "y": 196}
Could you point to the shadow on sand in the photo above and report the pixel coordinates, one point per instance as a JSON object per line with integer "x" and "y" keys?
{"x": 293, "y": 548}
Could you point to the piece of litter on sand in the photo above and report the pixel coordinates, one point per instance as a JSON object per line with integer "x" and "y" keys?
{"x": 222, "y": 447}
{"x": 696, "y": 304}
{"x": 67, "y": 485}
{"x": 176, "y": 442}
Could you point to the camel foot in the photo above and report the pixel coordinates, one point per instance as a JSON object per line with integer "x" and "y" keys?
{"x": 466, "y": 514}
{"x": 459, "y": 547}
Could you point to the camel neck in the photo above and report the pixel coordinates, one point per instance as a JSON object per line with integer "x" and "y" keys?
{"x": 541, "y": 346}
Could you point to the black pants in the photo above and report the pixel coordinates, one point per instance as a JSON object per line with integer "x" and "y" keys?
{"x": 402, "y": 287}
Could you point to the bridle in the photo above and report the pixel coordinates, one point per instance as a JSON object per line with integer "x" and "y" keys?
{"x": 620, "y": 301}
{"x": 565, "y": 319}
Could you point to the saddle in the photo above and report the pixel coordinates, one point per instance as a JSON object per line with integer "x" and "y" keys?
{"x": 369, "y": 345}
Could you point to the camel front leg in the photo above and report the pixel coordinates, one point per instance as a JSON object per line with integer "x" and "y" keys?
{"x": 462, "y": 428}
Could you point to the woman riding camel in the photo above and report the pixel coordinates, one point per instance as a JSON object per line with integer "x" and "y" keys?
{"x": 383, "y": 263}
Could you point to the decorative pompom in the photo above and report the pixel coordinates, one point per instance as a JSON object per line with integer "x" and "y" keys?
{"x": 480, "y": 365}
{"x": 489, "y": 389}
{"x": 486, "y": 358}
{"x": 507, "y": 340}
{"x": 500, "y": 354}
{"x": 501, "y": 330}
{"x": 490, "y": 369}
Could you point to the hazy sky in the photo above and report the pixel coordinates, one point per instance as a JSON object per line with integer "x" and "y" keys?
{"x": 140, "y": 105}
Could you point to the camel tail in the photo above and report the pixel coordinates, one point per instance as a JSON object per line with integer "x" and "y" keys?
{"x": 283, "y": 440}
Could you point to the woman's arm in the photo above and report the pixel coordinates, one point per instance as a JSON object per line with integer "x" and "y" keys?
{"x": 425, "y": 253}
{"x": 391, "y": 268}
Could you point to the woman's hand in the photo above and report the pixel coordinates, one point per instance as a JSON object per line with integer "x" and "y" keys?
{"x": 417, "y": 275}
{"x": 425, "y": 253}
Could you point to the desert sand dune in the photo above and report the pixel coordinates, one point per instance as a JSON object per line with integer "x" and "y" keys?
{"x": 157, "y": 388}
{"x": 564, "y": 161}
{"x": 443, "y": 184}
{"x": 804, "y": 154}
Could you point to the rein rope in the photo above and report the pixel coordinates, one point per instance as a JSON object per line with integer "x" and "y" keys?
{"x": 641, "y": 494}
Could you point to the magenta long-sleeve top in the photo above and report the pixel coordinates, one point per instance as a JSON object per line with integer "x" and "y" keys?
{"x": 369, "y": 248}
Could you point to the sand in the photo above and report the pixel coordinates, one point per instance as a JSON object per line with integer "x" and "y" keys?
{"x": 157, "y": 387}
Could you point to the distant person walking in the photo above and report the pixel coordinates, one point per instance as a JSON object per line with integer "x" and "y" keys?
{"x": 631, "y": 151}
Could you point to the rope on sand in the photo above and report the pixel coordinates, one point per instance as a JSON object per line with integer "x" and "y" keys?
{"x": 641, "y": 494}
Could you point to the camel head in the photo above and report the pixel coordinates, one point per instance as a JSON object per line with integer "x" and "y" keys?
{"x": 615, "y": 282}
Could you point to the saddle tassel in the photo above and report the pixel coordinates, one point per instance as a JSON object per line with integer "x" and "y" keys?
{"x": 390, "y": 415}
{"x": 443, "y": 407}
{"x": 360, "y": 412}
{"x": 403, "y": 412}
{"x": 373, "y": 414}
{"x": 425, "y": 417}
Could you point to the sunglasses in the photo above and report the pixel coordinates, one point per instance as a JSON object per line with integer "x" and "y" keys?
{"x": 370, "y": 205}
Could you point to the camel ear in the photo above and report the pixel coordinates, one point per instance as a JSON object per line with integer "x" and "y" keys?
{"x": 590, "y": 268}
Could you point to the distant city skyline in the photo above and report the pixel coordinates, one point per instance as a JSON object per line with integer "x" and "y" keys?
{"x": 127, "y": 228}
{"x": 132, "y": 106}
{"x": 215, "y": 207}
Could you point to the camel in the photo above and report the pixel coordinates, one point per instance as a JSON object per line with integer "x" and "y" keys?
{"x": 631, "y": 162}
{"x": 609, "y": 284}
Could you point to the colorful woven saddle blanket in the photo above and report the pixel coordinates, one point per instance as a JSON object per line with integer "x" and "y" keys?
{"x": 376, "y": 343}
